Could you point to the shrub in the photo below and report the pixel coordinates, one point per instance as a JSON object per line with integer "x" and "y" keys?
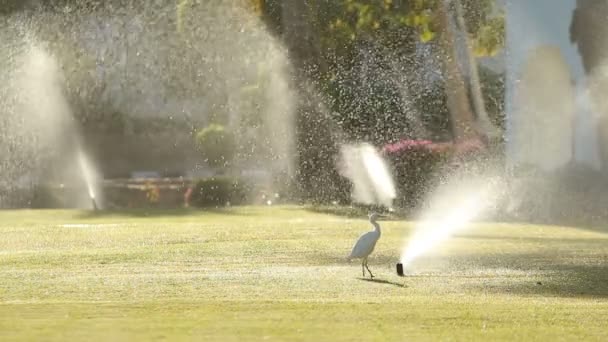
{"x": 414, "y": 172}
{"x": 152, "y": 193}
{"x": 217, "y": 145}
{"x": 220, "y": 191}
{"x": 418, "y": 164}
{"x": 46, "y": 197}
{"x": 149, "y": 194}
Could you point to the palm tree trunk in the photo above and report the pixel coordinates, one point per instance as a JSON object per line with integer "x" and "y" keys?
{"x": 483, "y": 120}
{"x": 461, "y": 114}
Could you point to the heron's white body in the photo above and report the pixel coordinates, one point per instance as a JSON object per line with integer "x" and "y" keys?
{"x": 366, "y": 244}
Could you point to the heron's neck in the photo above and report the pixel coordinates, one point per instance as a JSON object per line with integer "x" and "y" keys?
{"x": 376, "y": 226}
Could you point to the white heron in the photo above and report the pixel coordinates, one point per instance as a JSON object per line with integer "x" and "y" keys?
{"x": 366, "y": 244}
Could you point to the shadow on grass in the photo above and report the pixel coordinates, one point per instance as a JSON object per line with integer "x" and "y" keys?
{"x": 376, "y": 260}
{"x": 555, "y": 273}
{"x": 156, "y": 212}
{"x": 383, "y": 281}
{"x": 546, "y": 274}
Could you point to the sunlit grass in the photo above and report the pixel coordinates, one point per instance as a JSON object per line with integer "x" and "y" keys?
{"x": 280, "y": 273}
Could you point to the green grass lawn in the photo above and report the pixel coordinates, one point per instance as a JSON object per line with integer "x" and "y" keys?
{"x": 280, "y": 274}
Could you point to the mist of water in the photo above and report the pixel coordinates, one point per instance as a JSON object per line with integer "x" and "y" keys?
{"x": 56, "y": 111}
{"x": 372, "y": 181}
{"x": 221, "y": 66}
{"x": 542, "y": 124}
{"x": 39, "y": 110}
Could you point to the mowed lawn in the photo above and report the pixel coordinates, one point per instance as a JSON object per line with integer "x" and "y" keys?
{"x": 280, "y": 274}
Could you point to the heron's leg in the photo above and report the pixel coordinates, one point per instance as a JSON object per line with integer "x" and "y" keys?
{"x": 363, "y": 266}
{"x": 368, "y": 270}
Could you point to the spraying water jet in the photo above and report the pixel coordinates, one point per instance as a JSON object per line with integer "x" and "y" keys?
{"x": 87, "y": 172}
{"x": 372, "y": 181}
{"x": 39, "y": 87}
{"x": 444, "y": 219}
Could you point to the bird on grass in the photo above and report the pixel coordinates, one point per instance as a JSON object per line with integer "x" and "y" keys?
{"x": 366, "y": 243}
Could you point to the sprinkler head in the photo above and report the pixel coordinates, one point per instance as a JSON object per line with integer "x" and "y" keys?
{"x": 400, "y": 270}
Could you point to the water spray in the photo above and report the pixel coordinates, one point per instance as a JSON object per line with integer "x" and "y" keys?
{"x": 94, "y": 203}
{"x": 434, "y": 230}
{"x": 369, "y": 173}
{"x": 87, "y": 172}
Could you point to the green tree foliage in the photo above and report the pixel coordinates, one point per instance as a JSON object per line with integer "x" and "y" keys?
{"x": 396, "y": 27}
{"x": 485, "y": 24}
{"x": 431, "y": 20}
{"x": 216, "y": 145}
